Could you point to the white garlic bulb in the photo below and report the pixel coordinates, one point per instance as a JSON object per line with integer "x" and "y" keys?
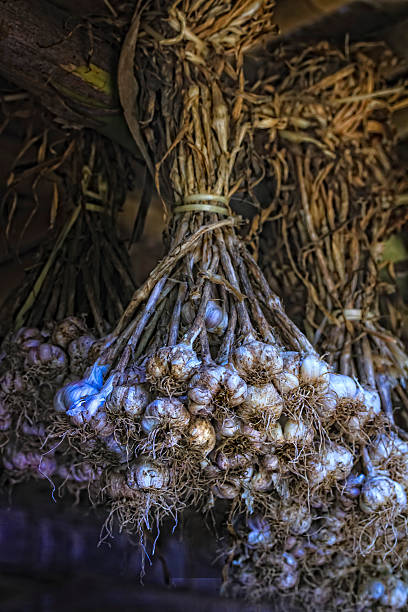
{"x": 229, "y": 426}
{"x": 165, "y": 410}
{"x": 326, "y": 405}
{"x": 233, "y": 460}
{"x": 286, "y": 382}
{"x": 270, "y": 462}
{"x": 314, "y": 370}
{"x": 343, "y": 386}
{"x": 298, "y": 433}
{"x": 177, "y": 362}
{"x": 261, "y": 401}
{"x": 334, "y": 463}
{"x": 148, "y": 474}
{"x": 379, "y": 493}
{"x": 215, "y": 385}
{"x": 257, "y": 361}
{"x": 132, "y": 399}
{"x": 201, "y": 434}
{"x": 372, "y": 590}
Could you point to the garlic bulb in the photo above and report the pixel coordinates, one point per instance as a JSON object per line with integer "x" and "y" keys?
{"x": 326, "y": 405}
{"x": 314, "y": 371}
{"x": 270, "y": 462}
{"x": 78, "y": 351}
{"x": 259, "y": 531}
{"x": 334, "y": 463}
{"x": 297, "y": 517}
{"x": 165, "y": 410}
{"x": 343, "y": 386}
{"x": 172, "y": 365}
{"x": 260, "y": 402}
{"x": 257, "y": 361}
{"x": 5, "y": 416}
{"x": 216, "y": 318}
{"x": 233, "y": 460}
{"x": 215, "y": 386}
{"x": 298, "y": 433}
{"x": 148, "y": 474}
{"x": 372, "y": 590}
{"x": 12, "y": 382}
{"x": 85, "y": 408}
{"x": 201, "y": 434}
{"x": 385, "y": 446}
{"x": 285, "y": 382}
{"x": 275, "y": 435}
{"x": 226, "y": 489}
{"x": 262, "y": 480}
{"x": 68, "y": 330}
{"x": 27, "y": 337}
{"x": 45, "y": 355}
{"x": 229, "y": 426}
{"x": 291, "y": 362}
{"x": 131, "y": 399}
{"x": 379, "y": 493}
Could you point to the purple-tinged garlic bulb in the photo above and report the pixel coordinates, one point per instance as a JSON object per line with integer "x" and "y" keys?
{"x": 147, "y": 474}
{"x": 46, "y": 356}
{"x": 257, "y": 362}
{"x": 228, "y": 427}
{"x": 27, "y": 338}
{"x": 171, "y": 367}
{"x": 12, "y": 382}
{"x": 6, "y": 419}
{"x": 78, "y": 351}
{"x": 262, "y": 480}
{"x": 227, "y": 489}
{"x": 395, "y": 595}
{"x": 259, "y": 531}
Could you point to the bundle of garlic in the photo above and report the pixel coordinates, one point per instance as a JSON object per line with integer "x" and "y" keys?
{"x": 331, "y": 152}
{"x": 205, "y": 389}
{"x": 337, "y": 189}
{"x": 33, "y": 365}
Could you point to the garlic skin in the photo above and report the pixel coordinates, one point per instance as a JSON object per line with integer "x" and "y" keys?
{"x": 233, "y": 461}
{"x": 314, "y": 371}
{"x": 343, "y": 386}
{"x": 201, "y": 434}
{"x": 177, "y": 363}
{"x": 257, "y": 361}
{"x": 165, "y": 411}
{"x": 131, "y": 399}
{"x": 147, "y": 474}
{"x": 291, "y": 362}
{"x": 298, "y": 433}
{"x": 261, "y": 401}
{"x": 379, "y": 493}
